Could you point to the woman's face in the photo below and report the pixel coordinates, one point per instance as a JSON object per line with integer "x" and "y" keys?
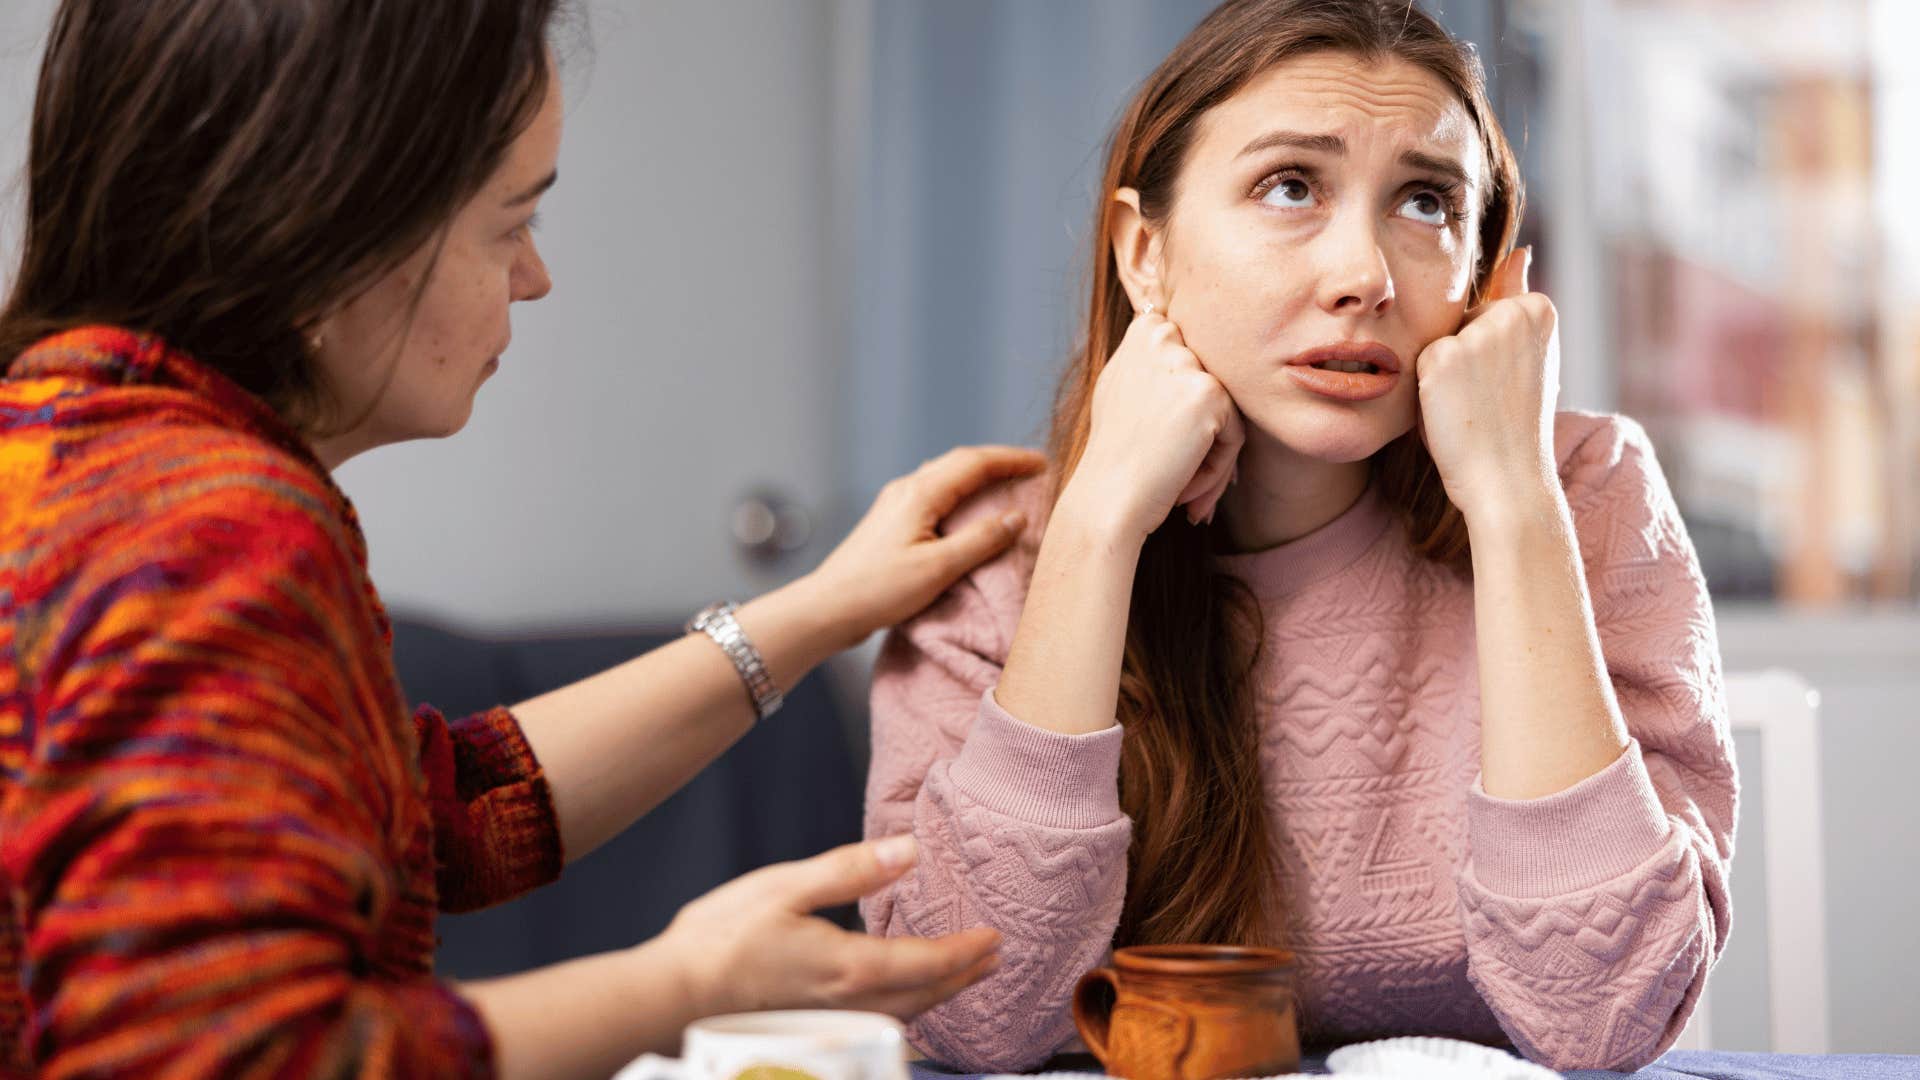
{"x": 439, "y": 352}
{"x": 1327, "y": 213}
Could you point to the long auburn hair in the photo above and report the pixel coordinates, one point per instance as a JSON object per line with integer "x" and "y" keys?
{"x": 218, "y": 172}
{"x": 1202, "y": 867}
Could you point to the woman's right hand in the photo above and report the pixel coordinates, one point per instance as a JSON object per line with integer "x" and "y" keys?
{"x": 1165, "y": 433}
{"x": 754, "y": 943}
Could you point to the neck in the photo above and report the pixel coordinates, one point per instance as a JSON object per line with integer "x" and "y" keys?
{"x": 336, "y": 450}
{"x": 1283, "y": 495}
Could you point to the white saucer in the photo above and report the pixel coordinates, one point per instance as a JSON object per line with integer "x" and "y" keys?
{"x": 1433, "y": 1059}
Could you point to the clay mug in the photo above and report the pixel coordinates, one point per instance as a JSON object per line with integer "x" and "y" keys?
{"x": 1191, "y": 1012}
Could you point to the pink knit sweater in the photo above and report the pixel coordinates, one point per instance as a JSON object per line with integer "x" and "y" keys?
{"x": 1579, "y": 926}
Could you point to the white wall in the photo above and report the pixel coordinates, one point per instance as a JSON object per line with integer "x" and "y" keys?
{"x": 23, "y": 31}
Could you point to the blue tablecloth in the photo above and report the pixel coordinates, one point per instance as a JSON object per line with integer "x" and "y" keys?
{"x": 1698, "y": 1065}
{"x": 1722, "y": 1065}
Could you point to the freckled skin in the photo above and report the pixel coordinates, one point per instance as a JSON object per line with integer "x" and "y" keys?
{"x": 1253, "y": 283}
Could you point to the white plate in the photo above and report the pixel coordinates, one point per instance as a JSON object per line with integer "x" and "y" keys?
{"x": 1434, "y": 1059}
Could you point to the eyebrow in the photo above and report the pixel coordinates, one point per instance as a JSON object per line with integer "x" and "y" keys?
{"x": 1336, "y": 146}
{"x": 1446, "y": 167}
{"x": 535, "y": 191}
{"x": 1299, "y": 140}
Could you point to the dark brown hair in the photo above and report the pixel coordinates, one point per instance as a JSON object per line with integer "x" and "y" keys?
{"x": 1201, "y": 867}
{"x": 220, "y": 171}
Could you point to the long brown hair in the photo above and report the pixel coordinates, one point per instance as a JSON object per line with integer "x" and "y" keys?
{"x": 218, "y": 172}
{"x": 1201, "y": 867}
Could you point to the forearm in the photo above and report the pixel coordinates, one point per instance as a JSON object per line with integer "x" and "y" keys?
{"x": 586, "y": 1017}
{"x": 1063, "y": 668}
{"x": 616, "y": 745}
{"x": 1548, "y": 717}
{"x": 1023, "y": 833}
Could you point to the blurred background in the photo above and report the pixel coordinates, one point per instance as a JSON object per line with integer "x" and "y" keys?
{"x": 802, "y": 245}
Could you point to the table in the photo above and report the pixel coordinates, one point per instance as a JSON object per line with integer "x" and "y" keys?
{"x": 1683, "y": 1065}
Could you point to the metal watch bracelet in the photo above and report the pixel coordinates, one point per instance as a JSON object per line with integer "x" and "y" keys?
{"x": 717, "y": 622}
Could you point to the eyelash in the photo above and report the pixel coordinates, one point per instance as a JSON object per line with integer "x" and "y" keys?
{"x": 1279, "y": 176}
{"x": 1447, "y": 191}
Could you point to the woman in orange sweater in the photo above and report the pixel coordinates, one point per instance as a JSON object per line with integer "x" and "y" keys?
{"x": 262, "y": 238}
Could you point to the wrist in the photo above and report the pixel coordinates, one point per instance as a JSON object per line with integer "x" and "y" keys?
{"x": 1517, "y": 508}
{"x": 804, "y": 623}
{"x": 1098, "y": 517}
{"x": 1516, "y": 497}
{"x": 662, "y": 964}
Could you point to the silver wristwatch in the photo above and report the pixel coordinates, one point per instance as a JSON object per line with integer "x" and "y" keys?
{"x": 717, "y": 622}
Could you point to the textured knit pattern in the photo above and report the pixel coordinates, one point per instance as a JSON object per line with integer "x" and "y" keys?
{"x": 223, "y": 839}
{"x": 1579, "y": 927}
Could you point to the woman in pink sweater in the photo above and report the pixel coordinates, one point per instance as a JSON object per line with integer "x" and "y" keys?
{"x": 1328, "y": 631}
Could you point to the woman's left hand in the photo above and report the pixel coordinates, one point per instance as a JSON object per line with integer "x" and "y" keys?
{"x": 1488, "y": 393}
{"x": 895, "y": 562}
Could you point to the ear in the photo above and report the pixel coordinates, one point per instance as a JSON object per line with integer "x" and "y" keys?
{"x": 314, "y": 331}
{"x": 1136, "y": 251}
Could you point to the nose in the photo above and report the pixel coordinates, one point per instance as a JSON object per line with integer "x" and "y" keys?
{"x": 1355, "y": 278}
{"x": 530, "y": 278}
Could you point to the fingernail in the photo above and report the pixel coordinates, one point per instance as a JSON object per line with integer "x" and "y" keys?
{"x": 896, "y": 852}
{"x": 1014, "y": 521}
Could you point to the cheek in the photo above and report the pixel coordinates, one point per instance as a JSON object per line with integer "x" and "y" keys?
{"x": 1433, "y": 284}
{"x": 1235, "y": 290}
{"x": 465, "y": 309}
{"x": 1462, "y": 255}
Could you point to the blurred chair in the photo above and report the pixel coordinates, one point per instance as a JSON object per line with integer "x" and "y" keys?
{"x": 789, "y": 789}
{"x": 1783, "y": 710}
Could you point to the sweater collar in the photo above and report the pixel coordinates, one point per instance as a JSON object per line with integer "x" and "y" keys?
{"x": 111, "y": 356}
{"x": 1278, "y": 572}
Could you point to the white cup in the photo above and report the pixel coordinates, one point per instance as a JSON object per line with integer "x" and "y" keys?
{"x": 806, "y": 1045}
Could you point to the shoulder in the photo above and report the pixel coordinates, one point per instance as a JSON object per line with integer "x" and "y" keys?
{"x": 1585, "y": 438}
{"x": 1623, "y": 509}
{"x": 988, "y": 600}
{"x": 177, "y": 475}
{"x": 1604, "y": 454}
{"x": 181, "y": 506}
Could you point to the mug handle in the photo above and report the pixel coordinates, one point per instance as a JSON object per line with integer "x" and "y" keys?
{"x": 652, "y": 1067}
{"x": 1094, "y": 1022}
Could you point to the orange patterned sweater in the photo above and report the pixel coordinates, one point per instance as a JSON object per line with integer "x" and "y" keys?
{"x": 223, "y": 839}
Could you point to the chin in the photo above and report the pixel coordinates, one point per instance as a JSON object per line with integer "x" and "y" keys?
{"x": 446, "y": 425}
{"x": 454, "y": 426}
{"x": 1337, "y": 436}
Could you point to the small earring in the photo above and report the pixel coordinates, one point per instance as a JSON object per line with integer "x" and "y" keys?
{"x": 1149, "y": 310}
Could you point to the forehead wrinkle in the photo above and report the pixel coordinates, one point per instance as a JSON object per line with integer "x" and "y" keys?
{"x": 1416, "y": 115}
{"x": 1350, "y": 97}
